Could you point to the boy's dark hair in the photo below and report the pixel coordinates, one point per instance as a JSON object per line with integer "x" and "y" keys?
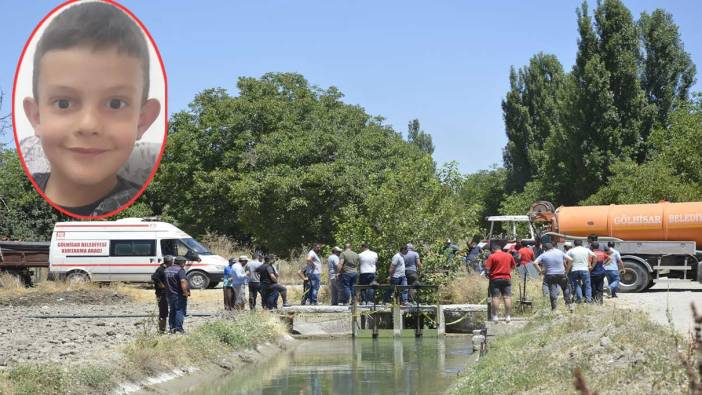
{"x": 97, "y": 25}
{"x": 577, "y": 242}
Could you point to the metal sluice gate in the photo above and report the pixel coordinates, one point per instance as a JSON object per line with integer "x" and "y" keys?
{"x": 369, "y": 315}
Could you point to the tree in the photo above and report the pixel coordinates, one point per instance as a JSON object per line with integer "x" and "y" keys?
{"x": 579, "y": 155}
{"x": 393, "y": 215}
{"x": 531, "y": 111}
{"x": 674, "y": 173}
{"x": 619, "y": 51}
{"x": 275, "y": 165}
{"x": 418, "y": 137}
{"x": 668, "y": 71}
{"x": 24, "y": 215}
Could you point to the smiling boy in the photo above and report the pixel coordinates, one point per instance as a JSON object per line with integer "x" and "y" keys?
{"x": 90, "y": 104}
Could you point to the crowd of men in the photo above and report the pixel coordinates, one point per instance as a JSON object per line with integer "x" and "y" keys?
{"x": 345, "y": 270}
{"x": 576, "y": 271}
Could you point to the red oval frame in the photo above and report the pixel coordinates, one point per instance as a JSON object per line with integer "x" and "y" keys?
{"x": 165, "y": 109}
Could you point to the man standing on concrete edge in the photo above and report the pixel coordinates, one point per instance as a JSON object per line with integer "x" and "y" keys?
{"x": 554, "y": 264}
{"x": 348, "y": 267}
{"x": 334, "y": 280}
{"x": 396, "y": 275}
{"x": 583, "y": 261}
{"x": 159, "y": 279}
{"x": 369, "y": 260}
{"x": 413, "y": 264}
{"x": 499, "y": 266}
{"x": 314, "y": 272}
{"x": 178, "y": 293}
{"x": 254, "y": 280}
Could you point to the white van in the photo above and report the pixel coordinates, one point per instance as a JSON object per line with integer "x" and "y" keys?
{"x": 128, "y": 250}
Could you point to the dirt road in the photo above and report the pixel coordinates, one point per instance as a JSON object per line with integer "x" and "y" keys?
{"x": 672, "y": 296}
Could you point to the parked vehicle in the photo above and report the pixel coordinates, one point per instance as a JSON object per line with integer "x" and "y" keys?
{"x": 21, "y": 258}
{"x": 654, "y": 239}
{"x": 128, "y": 250}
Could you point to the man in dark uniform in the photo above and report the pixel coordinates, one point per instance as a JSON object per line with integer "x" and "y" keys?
{"x": 178, "y": 293}
{"x": 159, "y": 279}
{"x": 269, "y": 284}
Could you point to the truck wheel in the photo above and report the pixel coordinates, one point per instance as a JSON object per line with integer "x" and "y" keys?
{"x": 198, "y": 280}
{"x": 77, "y": 277}
{"x": 635, "y": 277}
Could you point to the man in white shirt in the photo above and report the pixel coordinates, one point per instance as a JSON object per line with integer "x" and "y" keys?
{"x": 583, "y": 260}
{"x": 314, "y": 271}
{"x": 368, "y": 259}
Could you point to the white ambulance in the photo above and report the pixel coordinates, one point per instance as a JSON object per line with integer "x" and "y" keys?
{"x": 128, "y": 250}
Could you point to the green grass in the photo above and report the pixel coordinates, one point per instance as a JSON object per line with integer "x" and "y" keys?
{"x": 640, "y": 357}
{"x": 146, "y": 355}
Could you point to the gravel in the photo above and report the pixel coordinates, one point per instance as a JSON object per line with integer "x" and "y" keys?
{"x": 667, "y": 297}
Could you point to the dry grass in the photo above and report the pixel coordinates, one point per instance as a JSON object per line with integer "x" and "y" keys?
{"x": 225, "y": 247}
{"x": 10, "y": 283}
{"x": 617, "y": 351}
{"x": 472, "y": 289}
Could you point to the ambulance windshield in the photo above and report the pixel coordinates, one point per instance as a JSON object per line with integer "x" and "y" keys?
{"x": 196, "y": 246}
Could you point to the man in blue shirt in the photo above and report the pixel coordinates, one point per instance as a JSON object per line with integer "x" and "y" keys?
{"x": 335, "y": 285}
{"x": 239, "y": 283}
{"x": 554, "y": 264}
{"x": 178, "y": 293}
{"x": 613, "y": 268}
{"x": 412, "y": 267}
{"x": 227, "y": 281}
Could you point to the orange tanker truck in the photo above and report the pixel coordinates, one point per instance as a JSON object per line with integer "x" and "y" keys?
{"x": 655, "y": 240}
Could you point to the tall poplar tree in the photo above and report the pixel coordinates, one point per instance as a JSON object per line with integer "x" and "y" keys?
{"x": 667, "y": 70}
{"x": 531, "y": 110}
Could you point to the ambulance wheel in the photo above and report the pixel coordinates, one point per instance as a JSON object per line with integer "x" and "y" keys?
{"x": 198, "y": 280}
{"x": 77, "y": 276}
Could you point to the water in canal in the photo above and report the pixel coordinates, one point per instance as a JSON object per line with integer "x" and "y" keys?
{"x": 362, "y": 366}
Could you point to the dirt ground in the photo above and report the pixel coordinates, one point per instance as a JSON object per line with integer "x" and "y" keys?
{"x": 32, "y": 337}
{"x": 668, "y": 297}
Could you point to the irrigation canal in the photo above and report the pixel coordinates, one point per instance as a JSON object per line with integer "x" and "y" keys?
{"x": 406, "y": 365}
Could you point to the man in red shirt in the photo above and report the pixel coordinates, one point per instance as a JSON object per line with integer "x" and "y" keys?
{"x": 526, "y": 255}
{"x": 499, "y": 266}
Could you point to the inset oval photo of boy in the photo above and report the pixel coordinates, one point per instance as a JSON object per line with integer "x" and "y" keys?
{"x": 89, "y": 108}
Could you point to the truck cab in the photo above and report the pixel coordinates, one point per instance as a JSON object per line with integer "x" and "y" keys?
{"x": 128, "y": 250}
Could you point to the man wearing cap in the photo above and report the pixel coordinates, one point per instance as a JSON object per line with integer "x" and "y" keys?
{"x": 334, "y": 281}
{"x": 159, "y": 279}
{"x": 227, "y": 281}
{"x": 178, "y": 293}
{"x": 239, "y": 283}
{"x": 254, "y": 280}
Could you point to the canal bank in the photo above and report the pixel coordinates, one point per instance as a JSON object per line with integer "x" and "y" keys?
{"x": 617, "y": 350}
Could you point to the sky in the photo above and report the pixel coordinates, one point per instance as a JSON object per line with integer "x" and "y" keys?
{"x": 445, "y": 63}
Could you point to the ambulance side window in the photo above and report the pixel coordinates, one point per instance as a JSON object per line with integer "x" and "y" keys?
{"x": 173, "y": 247}
{"x": 132, "y": 247}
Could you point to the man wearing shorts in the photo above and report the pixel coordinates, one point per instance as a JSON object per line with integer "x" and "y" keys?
{"x": 499, "y": 266}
